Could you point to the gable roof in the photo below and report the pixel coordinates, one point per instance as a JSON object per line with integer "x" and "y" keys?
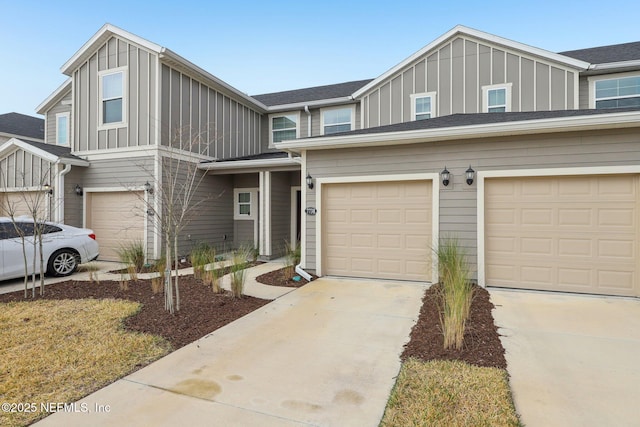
{"x": 605, "y": 54}
{"x": 340, "y": 90}
{"x": 17, "y": 124}
{"x": 55, "y": 97}
{"x": 51, "y": 153}
{"x": 462, "y": 30}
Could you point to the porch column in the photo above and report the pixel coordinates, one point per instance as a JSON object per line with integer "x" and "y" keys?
{"x": 264, "y": 216}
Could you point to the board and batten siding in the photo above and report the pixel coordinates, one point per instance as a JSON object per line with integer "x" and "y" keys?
{"x": 458, "y": 201}
{"x": 64, "y": 106}
{"x": 199, "y": 118}
{"x": 140, "y": 121}
{"x": 458, "y": 69}
{"x": 22, "y": 169}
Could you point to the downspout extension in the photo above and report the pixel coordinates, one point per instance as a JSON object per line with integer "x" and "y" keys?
{"x": 303, "y": 273}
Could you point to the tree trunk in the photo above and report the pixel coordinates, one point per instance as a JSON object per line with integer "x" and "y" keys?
{"x": 175, "y": 253}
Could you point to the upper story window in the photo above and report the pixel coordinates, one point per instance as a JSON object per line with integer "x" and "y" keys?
{"x": 284, "y": 127}
{"x": 423, "y": 106}
{"x": 620, "y": 92}
{"x": 62, "y": 128}
{"x": 496, "y": 98}
{"x": 112, "y": 105}
{"x": 334, "y": 120}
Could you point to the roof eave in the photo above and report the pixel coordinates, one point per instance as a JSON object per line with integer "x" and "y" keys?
{"x": 525, "y": 127}
{"x": 317, "y": 103}
{"x": 54, "y": 97}
{"x": 250, "y": 164}
{"x": 615, "y": 65}
{"x": 461, "y": 29}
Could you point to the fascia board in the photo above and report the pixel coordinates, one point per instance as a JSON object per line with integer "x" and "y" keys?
{"x": 563, "y": 124}
{"x": 318, "y": 103}
{"x": 461, "y": 29}
{"x": 14, "y": 143}
{"x": 103, "y": 33}
{"x": 613, "y": 65}
{"x": 54, "y": 97}
{"x": 168, "y": 54}
{"x": 249, "y": 164}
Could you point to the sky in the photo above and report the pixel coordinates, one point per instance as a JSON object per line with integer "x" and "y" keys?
{"x": 271, "y": 45}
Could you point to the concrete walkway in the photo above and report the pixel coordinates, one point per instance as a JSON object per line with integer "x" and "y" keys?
{"x": 326, "y": 354}
{"x": 573, "y": 360}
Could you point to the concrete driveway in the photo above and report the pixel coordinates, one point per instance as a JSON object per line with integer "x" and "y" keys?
{"x": 326, "y": 354}
{"x": 573, "y": 360}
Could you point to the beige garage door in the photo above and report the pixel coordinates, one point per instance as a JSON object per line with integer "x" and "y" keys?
{"x": 117, "y": 218}
{"x": 576, "y": 234}
{"x": 377, "y": 230}
{"x": 23, "y": 203}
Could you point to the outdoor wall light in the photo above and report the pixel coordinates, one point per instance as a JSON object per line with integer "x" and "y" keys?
{"x": 470, "y": 174}
{"x": 78, "y": 190}
{"x": 148, "y": 188}
{"x": 445, "y": 175}
{"x": 48, "y": 189}
{"x": 309, "y": 182}
{"x": 150, "y": 212}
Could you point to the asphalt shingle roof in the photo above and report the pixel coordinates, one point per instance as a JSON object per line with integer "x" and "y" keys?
{"x": 56, "y": 150}
{"x": 606, "y": 54}
{"x": 23, "y": 125}
{"x": 455, "y": 120}
{"x": 311, "y": 93}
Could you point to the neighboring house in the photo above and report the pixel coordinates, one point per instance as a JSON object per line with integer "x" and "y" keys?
{"x": 550, "y": 142}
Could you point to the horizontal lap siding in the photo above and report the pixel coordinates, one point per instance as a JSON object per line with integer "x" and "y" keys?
{"x": 457, "y": 69}
{"x": 458, "y": 201}
{"x": 50, "y": 131}
{"x": 280, "y": 211}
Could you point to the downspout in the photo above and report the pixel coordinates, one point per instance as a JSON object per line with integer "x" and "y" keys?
{"x": 298, "y": 268}
{"x": 59, "y": 209}
{"x": 306, "y": 110}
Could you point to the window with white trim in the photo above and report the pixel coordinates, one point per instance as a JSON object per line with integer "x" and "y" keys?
{"x": 496, "y": 98}
{"x": 245, "y": 200}
{"x": 615, "y": 93}
{"x": 62, "y": 129}
{"x": 334, "y": 120}
{"x": 112, "y": 102}
{"x": 284, "y": 127}
{"x": 423, "y": 106}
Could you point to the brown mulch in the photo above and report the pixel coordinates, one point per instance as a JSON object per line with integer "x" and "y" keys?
{"x": 278, "y": 278}
{"x": 481, "y": 347}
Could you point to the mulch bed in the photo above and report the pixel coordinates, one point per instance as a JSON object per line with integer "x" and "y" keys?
{"x": 278, "y": 278}
{"x": 481, "y": 347}
{"x": 202, "y": 311}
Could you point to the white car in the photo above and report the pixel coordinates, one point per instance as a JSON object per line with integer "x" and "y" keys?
{"x": 63, "y": 247}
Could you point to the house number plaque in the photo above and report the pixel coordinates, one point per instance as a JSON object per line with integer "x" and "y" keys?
{"x": 310, "y": 211}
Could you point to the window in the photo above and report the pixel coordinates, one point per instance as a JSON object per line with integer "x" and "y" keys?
{"x": 423, "y": 106}
{"x": 62, "y": 128}
{"x": 284, "y": 128}
{"x": 496, "y": 98}
{"x": 337, "y": 120}
{"x": 245, "y": 203}
{"x": 112, "y": 97}
{"x": 614, "y": 93}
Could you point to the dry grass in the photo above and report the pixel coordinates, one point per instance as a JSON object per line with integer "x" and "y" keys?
{"x": 450, "y": 393}
{"x": 59, "y": 351}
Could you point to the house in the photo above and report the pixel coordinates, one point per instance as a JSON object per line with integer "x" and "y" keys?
{"x": 529, "y": 158}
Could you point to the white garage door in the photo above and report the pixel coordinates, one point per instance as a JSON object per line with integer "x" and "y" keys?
{"x": 23, "y": 203}
{"x": 576, "y": 234}
{"x": 117, "y": 218}
{"x": 378, "y": 230}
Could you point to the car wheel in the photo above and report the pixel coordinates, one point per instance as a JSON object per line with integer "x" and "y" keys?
{"x": 63, "y": 263}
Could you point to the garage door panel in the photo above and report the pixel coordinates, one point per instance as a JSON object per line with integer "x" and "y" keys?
{"x": 386, "y": 230}
{"x": 583, "y": 237}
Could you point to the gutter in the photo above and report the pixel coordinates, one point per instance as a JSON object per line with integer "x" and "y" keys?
{"x": 286, "y": 162}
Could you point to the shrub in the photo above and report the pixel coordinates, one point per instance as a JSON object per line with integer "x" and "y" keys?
{"x": 132, "y": 255}
{"x": 291, "y": 257}
{"x": 456, "y": 292}
{"x": 201, "y": 255}
{"x": 239, "y": 263}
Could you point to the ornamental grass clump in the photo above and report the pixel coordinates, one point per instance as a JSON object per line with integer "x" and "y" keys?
{"x": 456, "y": 292}
{"x": 157, "y": 281}
{"x": 291, "y": 258}
{"x": 239, "y": 263}
{"x": 132, "y": 255}
{"x": 201, "y": 255}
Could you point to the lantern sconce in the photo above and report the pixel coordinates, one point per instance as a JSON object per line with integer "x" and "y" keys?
{"x": 148, "y": 188}
{"x": 309, "y": 182}
{"x": 48, "y": 189}
{"x": 78, "y": 190}
{"x": 470, "y": 174}
{"x": 445, "y": 175}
